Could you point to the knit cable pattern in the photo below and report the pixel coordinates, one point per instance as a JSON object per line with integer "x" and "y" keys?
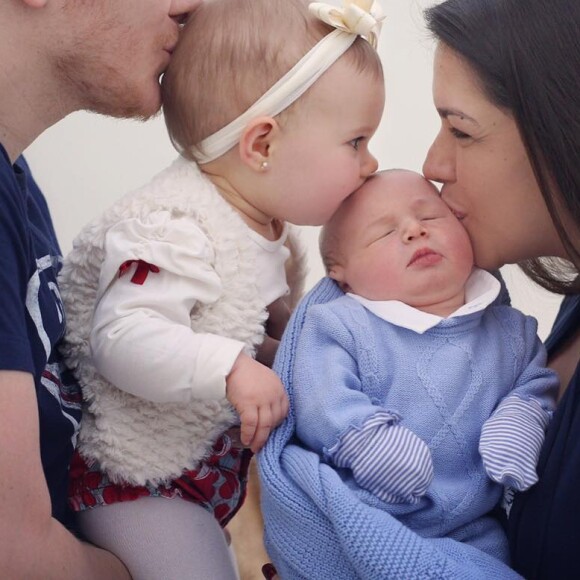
{"x": 315, "y": 527}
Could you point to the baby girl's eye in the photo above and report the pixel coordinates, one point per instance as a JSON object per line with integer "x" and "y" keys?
{"x": 355, "y": 143}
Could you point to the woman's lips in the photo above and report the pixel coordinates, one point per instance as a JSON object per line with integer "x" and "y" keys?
{"x": 425, "y": 257}
{"x": 458, "y": 214}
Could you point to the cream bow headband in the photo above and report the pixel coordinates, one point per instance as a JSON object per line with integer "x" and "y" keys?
{"x": 356, "y": 18}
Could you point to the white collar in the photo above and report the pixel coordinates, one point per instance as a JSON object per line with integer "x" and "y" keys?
{"x": 481, "y": 289}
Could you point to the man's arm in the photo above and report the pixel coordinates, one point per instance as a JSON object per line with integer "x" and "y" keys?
{"x": 32, "y": 543}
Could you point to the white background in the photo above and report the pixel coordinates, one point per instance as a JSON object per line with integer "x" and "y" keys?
{"x": 85, "y": 162}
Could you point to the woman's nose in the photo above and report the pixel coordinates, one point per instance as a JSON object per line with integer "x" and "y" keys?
{"x": 439, "y": 164}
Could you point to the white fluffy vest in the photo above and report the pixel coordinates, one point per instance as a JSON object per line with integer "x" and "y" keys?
{"x": 134, "y": 440}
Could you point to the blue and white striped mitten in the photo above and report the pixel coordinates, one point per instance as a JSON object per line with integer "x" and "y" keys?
{"x": 386, "y": 459}
{"x": 511, "y": 440}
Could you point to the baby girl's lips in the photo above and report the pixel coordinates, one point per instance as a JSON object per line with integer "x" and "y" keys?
{"x": 425, "y": 257}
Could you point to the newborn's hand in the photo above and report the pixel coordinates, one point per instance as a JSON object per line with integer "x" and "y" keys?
{"x": 258, "y": 396}
{"x": 386, "y": 458}
{"x": 511, "y": 440}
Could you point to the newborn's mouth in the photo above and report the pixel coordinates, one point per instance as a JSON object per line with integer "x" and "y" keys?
{"x": 424, "y": 255}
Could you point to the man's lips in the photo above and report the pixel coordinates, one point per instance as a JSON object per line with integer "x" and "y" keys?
{"x": 425, "y": 257}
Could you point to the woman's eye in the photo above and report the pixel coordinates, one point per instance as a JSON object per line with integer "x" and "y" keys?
{"x": 354, "y": 143}
{"x": 459, "y": 134}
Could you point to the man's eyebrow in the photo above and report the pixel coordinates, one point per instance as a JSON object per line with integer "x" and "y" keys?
{"x": 444, "y": 113}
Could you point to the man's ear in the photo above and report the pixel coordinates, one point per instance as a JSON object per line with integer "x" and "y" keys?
{"x": 254, "y": 145}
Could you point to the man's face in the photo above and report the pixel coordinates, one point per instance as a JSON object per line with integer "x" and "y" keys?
{"x": 115, "y": 51}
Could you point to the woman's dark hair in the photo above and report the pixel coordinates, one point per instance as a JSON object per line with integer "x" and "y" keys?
{"x": 527, "y": 56}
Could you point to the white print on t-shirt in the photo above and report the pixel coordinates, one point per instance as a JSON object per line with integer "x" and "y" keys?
{"x": 51, "y": 378}
{"x": 32, "y": 302}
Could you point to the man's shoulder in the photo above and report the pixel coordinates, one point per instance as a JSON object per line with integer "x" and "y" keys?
{"x": 16, "y": 179}
{"x": 7, "y": 173}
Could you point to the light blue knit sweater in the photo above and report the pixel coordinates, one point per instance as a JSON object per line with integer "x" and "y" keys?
{"x": 318, "y": 522}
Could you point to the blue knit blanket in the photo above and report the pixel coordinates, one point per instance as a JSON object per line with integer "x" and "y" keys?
{"x": 316, "y": 528}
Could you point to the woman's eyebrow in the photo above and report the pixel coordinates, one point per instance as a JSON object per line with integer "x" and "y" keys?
{"x": 445, "y": 112}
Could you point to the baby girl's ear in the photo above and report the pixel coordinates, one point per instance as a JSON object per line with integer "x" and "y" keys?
{"x": 255, "y": 142}
{"x": 36, "y": 3}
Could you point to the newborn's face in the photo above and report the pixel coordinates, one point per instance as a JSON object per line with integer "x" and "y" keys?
{"x": 399, "y": 241}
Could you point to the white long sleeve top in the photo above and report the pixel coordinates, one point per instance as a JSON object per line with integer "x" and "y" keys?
{"x": 141, "y": 338}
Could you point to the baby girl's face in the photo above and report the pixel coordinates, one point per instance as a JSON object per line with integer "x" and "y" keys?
{"x": 323, "y": 155}
{"x": 399, "y": 241}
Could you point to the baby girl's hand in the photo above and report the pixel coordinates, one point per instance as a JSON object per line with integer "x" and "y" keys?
{"x": 258, "y": 396}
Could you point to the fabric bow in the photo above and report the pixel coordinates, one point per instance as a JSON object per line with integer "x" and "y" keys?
{"x": 362, "y": 17}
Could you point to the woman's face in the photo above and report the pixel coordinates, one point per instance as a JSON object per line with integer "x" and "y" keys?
{"x": 487, "y": 180}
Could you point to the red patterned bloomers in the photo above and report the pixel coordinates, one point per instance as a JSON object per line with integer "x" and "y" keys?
{"x": 218, "y": 484}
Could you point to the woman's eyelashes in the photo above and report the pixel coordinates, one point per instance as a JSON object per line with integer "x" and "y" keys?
{"x": 459, "y": 134}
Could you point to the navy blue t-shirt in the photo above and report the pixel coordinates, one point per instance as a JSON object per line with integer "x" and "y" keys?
{"x": 32, "y": 320}
{"x": 544, "y": 522}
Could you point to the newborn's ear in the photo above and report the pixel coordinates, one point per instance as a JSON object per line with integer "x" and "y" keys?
{"x": 255, "y": 142}
{"x": 336, "y": 272}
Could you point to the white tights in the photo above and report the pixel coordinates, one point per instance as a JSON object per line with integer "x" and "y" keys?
{"x": 161, "y": 539}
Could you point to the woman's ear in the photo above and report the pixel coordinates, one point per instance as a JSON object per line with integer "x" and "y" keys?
{"x": 254, "y": 145}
